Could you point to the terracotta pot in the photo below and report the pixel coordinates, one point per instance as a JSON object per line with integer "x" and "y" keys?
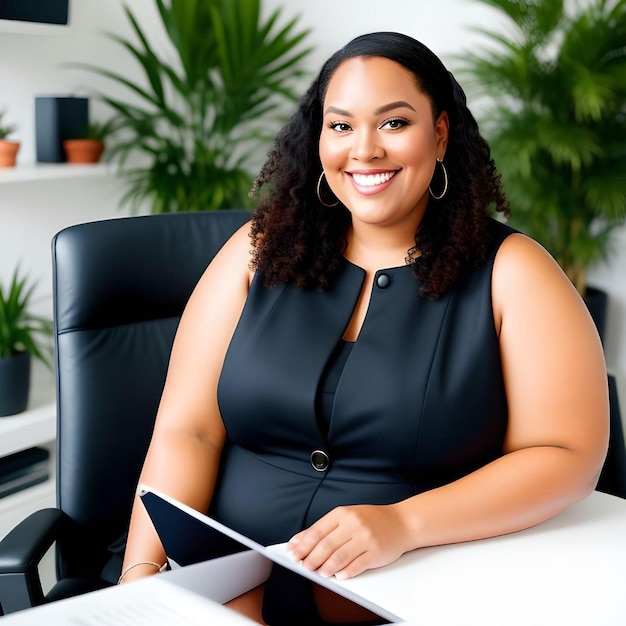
{"x": 83, "y": 150}
{"x": 8, "y": 152}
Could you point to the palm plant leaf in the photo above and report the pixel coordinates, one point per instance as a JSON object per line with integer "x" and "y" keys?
{"x": 201, "y": 119}
{"x": 146, "y": 58}
{"x": 553, "y": 90}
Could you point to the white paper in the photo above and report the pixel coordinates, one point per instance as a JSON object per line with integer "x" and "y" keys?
{"x": 151, "y": 601}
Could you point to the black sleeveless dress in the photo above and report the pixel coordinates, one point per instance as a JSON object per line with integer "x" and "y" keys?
{"x": 420, "y": 401}
{"x": 416, "y": 402}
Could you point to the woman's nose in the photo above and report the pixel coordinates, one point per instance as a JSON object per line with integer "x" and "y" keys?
{"x": 366, "y": 146}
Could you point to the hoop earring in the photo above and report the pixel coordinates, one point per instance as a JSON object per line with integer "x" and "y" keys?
{"x": 319, "y": 197}
{"x": 445, "y": 182}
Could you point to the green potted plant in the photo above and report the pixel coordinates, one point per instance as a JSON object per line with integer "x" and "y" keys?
{"x": 22, "y": 335}
{"x": 551, "y": 91}
{"x": 8, "y": 149}
{"x": 88, "y": 145}
{"x": 206, "y": 111}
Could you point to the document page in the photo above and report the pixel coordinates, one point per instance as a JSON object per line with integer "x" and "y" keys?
{"x": 151, "y": 602}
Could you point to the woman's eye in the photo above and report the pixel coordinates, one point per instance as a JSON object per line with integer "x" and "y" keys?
{"x": 394, "y": 123}
{"x": 340, "y": 127}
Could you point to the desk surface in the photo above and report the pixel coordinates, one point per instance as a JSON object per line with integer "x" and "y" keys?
{"x": 568, "y": 571}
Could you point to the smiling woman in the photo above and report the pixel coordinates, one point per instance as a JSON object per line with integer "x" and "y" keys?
{"x": 396, "y": 343}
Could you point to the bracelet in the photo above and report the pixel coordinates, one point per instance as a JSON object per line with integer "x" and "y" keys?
{"x": 161, "y": 568}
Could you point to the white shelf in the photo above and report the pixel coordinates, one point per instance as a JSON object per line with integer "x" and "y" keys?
{"x": 33, "y": 427}
{"x": 18, "y": 506}
{"x": 53, "y": 171}
{"x": 17, "y": 27}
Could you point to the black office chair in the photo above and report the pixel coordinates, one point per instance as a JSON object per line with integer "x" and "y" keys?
{"x": 613, "y": 476}
{"x": 119, "y": 288}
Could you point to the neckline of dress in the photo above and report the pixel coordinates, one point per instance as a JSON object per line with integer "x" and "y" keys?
{"x": 381, "y": 269}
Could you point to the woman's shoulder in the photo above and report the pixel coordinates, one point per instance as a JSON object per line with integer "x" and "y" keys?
{"x": 522, "y": 258}
{"x": 239, "y": 242}
{"x": 528, "y": 282}
{"x": 238, "y": 248}
{"x": 231, "y": 265}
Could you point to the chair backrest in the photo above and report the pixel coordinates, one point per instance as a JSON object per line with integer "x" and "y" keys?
{"x": 613, "y": 476}
{"x": 119, "y": 288}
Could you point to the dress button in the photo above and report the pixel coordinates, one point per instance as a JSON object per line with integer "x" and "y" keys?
{"x": 319, "y": 460}
{"x": 383, "y": 281}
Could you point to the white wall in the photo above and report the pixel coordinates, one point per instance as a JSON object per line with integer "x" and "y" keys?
{"x": 34, "y": 65}
{"x": 39, "y": 64}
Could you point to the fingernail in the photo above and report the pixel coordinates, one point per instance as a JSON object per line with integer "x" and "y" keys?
{"x": 341, "y": 576}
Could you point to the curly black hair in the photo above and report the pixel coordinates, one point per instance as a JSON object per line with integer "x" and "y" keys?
{"x": 298, "y": 239}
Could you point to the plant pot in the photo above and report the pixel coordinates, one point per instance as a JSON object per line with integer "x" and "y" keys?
{"x": 8, "y": 152}
{"x": 597, "y": 302}
{"x": 14, "y": 383}
{"x": 83, "y": 150}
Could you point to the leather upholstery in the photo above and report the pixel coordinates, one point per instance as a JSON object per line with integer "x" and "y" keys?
{"x": 119, "y": 288}
{"x": 613, "y": 477}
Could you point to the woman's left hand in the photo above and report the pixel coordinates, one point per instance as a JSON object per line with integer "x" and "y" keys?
{"x": 350, "y": 540}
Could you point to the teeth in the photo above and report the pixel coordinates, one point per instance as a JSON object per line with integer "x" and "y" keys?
{"x": 370, "y": 180}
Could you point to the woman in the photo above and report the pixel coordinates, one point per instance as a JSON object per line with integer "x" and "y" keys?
{"x": 393, "y": 369}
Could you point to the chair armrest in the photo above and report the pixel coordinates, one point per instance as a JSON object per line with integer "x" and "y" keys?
{"x": 20, "y": 554}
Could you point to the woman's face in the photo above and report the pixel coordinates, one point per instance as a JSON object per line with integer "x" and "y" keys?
{"x": 379, "y": 143}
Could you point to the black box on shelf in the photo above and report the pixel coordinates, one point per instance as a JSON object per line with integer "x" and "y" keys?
{"x": 58, "y": 118}
{"x": 23, "y": 469}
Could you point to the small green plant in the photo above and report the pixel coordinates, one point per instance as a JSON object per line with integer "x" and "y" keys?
{"x": 20, "y": 330}
{"x": 5, "y": 129}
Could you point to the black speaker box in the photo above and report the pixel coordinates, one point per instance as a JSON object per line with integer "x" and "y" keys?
{"x": 57, "y": 119}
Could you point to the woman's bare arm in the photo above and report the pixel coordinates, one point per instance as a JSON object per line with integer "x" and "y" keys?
{"x": 188, "y": 436}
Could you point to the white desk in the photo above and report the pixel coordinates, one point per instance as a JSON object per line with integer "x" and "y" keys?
{"x": 569, "y": 571}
